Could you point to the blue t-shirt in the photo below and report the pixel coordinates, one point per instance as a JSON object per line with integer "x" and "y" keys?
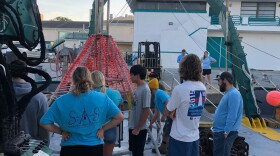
{"x": 228, "y": 115}
{"x": 206, "y": 63}
{"x": 160, "y": 98}
{"x": 81, "y": 116}
{"x": 114, "y": 95}
{"x": 179, "y": 58}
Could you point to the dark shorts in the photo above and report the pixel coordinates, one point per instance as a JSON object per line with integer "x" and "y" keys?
{"x": 81, "y": 150}
{"x": 167, "y": 127}
{"x": 178, "y": 148}
{"x": 206, "y": 72}
{"x": 110, "y": 136}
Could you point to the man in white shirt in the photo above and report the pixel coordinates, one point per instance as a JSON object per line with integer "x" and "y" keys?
{"x": 185, "y": 107}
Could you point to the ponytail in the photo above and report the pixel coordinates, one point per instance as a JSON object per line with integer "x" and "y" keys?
{"x": 98, "y": 81}
{"x": 81, "y": 87}
{"x": 82, "y": 81}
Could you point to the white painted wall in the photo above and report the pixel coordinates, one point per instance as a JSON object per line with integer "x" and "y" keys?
{"x": 265, "y": 38}
{"x": 277, "y": 13}
{"x": 154, "y": 27}
{"x": 235, "y": 8}
{"x": 267, "y": 42}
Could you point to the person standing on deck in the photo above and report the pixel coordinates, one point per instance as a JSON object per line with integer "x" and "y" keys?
{"x": 36, "y": 108}
{"x": 228, "y": 115}
{"x": 81, "y": 116}
{"x": 185, "y": 107}
{"x": 99, "y": 85}
{"x": 207, "y": 60}
{"x": 160, "y": 100}
{"x": 138, "y": 121}
{"x": 179, "y": 58}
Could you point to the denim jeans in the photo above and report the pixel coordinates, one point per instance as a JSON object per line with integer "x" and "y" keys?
{"x": 222, "y": 145}
{"x": 110, "y": 136}
{"x": 180, "y": 148}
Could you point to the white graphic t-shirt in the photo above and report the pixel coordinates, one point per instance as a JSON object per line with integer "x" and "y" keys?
{"x": 188, "y": 100}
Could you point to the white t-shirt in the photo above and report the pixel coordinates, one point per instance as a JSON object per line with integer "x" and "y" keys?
{"x": 188, "y": 100}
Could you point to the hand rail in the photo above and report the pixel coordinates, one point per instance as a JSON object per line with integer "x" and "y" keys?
{"x": 263, "y": 20}
{"x": 173, "y": 78}
{"x": 237, "y": 20}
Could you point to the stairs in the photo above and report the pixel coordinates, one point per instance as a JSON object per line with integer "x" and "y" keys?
{"x": 240, "y": 69}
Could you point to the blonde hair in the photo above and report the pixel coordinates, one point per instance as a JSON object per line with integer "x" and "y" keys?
{"x": 82, "y": 81}
{"x": 98, "y": 80}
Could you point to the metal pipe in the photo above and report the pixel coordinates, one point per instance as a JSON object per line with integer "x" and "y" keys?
{"x": 211, "y": 102}
{"x": 96, "y": 16}
{"x": 101, "y": 11}
{"x": 108, "y": 16}
{"x": 215, "y": 88}
{"x": 227, "y": 37}
{"x": 173, "y": 77}
{"x": 166, "y": 84}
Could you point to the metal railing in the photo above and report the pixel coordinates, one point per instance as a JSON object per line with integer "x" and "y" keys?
{"x": 150, "y": 63}
{"x": 214, "y": 20}
{"x": 251, "y": 20}
{"x": 237, "y": 20}
{"x": 263, "y": 21}
{"x": 174, "y": 80}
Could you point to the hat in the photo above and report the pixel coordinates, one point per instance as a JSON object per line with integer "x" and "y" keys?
{"x": 153, "y": 84}
{"x": 225, "y": 75}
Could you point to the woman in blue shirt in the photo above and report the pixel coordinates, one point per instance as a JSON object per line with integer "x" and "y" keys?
{"x": 82, "y": 116}
{"x": 206, "y": 67}
{"x": 99, "y": 85}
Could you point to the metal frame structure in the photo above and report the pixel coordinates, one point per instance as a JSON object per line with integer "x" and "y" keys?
{"x": 150, "y": 57}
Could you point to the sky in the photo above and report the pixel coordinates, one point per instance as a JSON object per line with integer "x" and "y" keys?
{"x": 77, "y": 10}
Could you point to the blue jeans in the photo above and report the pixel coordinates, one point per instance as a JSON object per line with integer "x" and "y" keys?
{"x": 180, "y": 148}
{"x": 221, "y": 145}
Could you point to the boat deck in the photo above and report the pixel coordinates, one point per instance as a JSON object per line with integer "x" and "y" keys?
{"x": 258, "y": 144}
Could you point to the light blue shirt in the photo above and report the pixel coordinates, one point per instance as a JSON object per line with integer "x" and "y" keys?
{"x": 114, "y": 95}
{"x": 81, "y": 116}
{"x": 160, "y": 98}
{"x": 206, "y": 63}
{"x": 228, "y": 115}
{"x": 179, "y": 58}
